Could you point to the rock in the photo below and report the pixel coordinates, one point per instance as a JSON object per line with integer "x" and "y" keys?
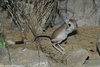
{"x": 77, "y": 58}
{"x": 4, "y": 56}
{"x": 56, "y": 64}
{"x": 98, "y": 47}
{"x": 26, "y": 57}
{"x": 92, "y": 63}
{"x": 29, "y": 58}
{"x": 98, "y": 43}
{"x": 84, "y": 12}
{"x": 3, "y": 51}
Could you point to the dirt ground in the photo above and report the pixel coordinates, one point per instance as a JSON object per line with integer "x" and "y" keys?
{"x": 85, "y": 38}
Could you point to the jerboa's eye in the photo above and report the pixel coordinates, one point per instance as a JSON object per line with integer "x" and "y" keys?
{"x": 69, "y": 25}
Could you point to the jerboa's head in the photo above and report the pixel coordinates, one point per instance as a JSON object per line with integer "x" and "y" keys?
{"x": 73, "y": 22}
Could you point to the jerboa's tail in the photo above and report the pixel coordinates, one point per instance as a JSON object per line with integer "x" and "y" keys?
{"x": 14, "y": 42}
{"x": 30, "y": 42}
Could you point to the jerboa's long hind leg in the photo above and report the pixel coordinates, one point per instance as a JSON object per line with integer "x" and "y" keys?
{"x": 61, "y": 47}
{"x": 54, "y": 45}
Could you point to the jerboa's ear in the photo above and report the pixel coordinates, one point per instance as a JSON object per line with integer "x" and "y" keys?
{"x": 74, "y": 19}
{"x": 66, "y": 20}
